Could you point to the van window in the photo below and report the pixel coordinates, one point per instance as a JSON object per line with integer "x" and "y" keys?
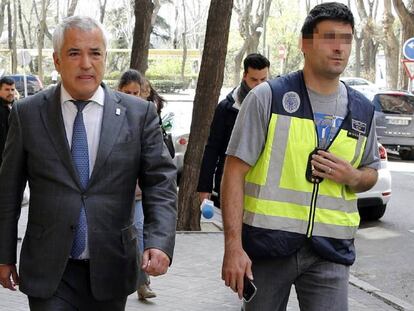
{"x": 395, "y": 104}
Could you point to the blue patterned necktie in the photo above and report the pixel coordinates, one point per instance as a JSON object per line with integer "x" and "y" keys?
{"x": 80, "y": 157}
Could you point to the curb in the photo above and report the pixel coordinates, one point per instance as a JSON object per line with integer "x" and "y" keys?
{"x": 391, "y": 300}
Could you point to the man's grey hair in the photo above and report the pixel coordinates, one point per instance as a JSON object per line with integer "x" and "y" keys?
{"x": 84, "y": 23}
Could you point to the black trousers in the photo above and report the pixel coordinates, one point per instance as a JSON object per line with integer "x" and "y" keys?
{"x": 74, "y": 293}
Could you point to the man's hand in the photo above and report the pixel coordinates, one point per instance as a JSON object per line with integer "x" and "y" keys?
{"x": 326, "y": 165}
{"x": 155, "y": 262}
{"x": 236, "y": 264}
{"x": 9, "y": 277}
{"x": 204, "y": 195}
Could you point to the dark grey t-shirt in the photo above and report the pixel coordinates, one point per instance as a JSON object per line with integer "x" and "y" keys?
{"x": 249, "y": 134}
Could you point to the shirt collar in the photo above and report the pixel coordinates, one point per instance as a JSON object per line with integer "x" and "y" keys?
{"x": 237, "y": 103}
{"x": 98, "y": 97}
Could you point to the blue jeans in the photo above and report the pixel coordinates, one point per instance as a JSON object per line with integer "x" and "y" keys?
{"x": 143, "y": 278}
{"x": 139, "y": 224}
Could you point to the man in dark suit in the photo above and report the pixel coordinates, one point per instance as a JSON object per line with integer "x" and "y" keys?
{"x": 82, "y": 147}
{"x": 7, "y": 89}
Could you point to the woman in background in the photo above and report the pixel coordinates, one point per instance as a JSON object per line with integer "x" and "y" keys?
{"x": 150, "y": 94}
{"x": 130, "y": 83}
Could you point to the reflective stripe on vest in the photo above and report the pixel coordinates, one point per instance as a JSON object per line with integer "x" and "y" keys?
{"x": 277, "y": 194}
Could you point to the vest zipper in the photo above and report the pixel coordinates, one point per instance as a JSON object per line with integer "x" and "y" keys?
{"x": 312, "y": 210}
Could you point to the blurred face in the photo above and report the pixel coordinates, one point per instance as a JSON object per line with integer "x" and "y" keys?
{"x": 327, "y": 53}
{"x": 254, "y": 77}
{"x": 81, "y": 62}
{"x": 132, "y": 88}
{"x": 7, "y": 92}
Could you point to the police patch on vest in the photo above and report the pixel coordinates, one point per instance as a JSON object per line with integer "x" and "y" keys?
{"x": 359, "y": 126}
{"x": 291, "y": 102}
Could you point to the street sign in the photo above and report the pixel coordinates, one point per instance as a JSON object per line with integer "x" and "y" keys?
{"x": 409, "y": 67}
{"x": 408, "y": 49}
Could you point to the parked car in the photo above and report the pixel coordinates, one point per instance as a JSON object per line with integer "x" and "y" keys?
{"x": 373, "y": 203}
{"x": 366, "y": 87}
{"x": 180, "y": 130}
{"x": 34, "y": 84}
{"x": 394, "y": 113}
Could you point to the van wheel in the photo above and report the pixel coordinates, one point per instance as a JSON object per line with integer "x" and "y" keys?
{"x": 407, "y": 155}
{"x": 372, "y": 212}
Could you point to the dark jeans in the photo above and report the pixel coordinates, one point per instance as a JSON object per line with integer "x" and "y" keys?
{"x": 74, "y": 293}
{"x": 320, "y": 285}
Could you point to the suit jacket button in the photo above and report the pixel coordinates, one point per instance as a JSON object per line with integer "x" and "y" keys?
{"x": 72, "y": 227}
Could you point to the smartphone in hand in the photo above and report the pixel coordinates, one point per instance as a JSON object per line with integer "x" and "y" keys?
{"x": 249, "y": 289}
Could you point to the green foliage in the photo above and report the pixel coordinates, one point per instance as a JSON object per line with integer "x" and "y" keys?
{"x": 167, "y": 67}
{"x": 286, "y": 21}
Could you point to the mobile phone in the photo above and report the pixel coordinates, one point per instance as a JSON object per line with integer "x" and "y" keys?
{"x": 309, "y": 169}
{"x": 249, "y": 289}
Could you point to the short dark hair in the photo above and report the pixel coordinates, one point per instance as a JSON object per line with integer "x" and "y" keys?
{"x": 326, "y": 11}
{"x": 131, "y": 75}
{"x": 255, "y": 61}
{"x": 6, "y": 80}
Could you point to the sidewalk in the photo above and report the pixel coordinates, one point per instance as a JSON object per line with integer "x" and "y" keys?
{"x": 194, "y": 283}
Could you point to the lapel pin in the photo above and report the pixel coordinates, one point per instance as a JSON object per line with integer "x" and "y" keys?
{"x": 118, "y": 111}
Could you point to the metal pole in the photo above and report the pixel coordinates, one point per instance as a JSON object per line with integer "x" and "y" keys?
{"x": 264, "y": 26}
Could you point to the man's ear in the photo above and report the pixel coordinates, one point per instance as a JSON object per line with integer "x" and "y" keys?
{"x": 301, "y": 44}
{"x": 56, "y": 61}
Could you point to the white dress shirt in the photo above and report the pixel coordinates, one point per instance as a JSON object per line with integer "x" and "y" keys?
{"x": 92, "y": 118}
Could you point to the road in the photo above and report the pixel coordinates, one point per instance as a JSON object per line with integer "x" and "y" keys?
{"x": 385, "y": 248}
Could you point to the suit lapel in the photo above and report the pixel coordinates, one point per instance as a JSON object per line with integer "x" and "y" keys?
{"x": 112, "y": 120}
{"x": 51, "y": 114}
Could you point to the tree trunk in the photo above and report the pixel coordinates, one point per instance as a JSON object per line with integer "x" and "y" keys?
{"x": 3, "y": 4}
{"x": 248, "y": 29}
{"x": 391, "y": 47}
{"x": 14, "y": 37}
{"x": 102, "y": 7}
{"x": 72, "y": 7}
{"x": 237, "y": 63}
{"x": 41, "y": 41}
{"x": 358, "y": 44}
{"x": 407, "y": 21}
{"x": 184, "y": 38}
{"x": 11, "y": 39}
{"x": 369, "y": 44}
{"x": 175, "y": 39}
{"x": 307, "y": 7}
{"x": 141, "y": 38}
{"x": 207, "y": 93}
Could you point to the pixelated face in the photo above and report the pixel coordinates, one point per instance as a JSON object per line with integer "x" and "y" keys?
{"x": 327, "y": 52}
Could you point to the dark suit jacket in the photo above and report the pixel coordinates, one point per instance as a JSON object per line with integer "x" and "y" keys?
{"x": 4, "y": 125}
{"x": 130, "y": 148}
{"x": 215, "y": 151}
